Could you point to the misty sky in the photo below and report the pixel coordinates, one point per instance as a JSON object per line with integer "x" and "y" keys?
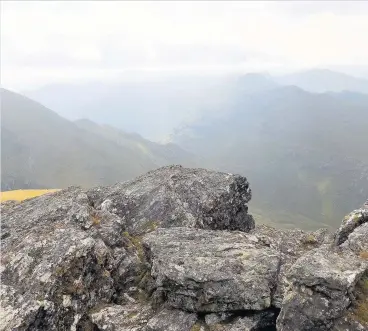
{"x": 48, "y": 42}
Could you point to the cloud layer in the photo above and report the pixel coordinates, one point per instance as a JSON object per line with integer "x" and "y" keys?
{"x": 48, "y": 42}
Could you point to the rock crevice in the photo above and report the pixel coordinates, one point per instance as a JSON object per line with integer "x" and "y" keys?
{"x": 175, "y": 250}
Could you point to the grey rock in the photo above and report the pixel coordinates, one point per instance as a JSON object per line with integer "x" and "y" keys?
{"x": 171, "y": 320}
{"x": 291, "y": 244}
{"x": 62, "y": 257}
{"x": 216, "y": 318}
{"x": 357, "y": 241}
{"x": 131, "y": 317}
{"x": 252, "y": 321}
{"x": 350, "y": 223}
{"x": 255, "y": 322}
{"x": 175, "y": 249}
{"x": 327, "y": 286}
{"x": 349, "y": 323}
{"x": 176, "y": 196}
{"x": 66, "y": 253}
{"x": 322, "y": 284}
{"x": 212, "y": 271}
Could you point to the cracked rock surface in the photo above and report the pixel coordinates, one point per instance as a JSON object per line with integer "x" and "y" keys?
{"x": 172, "y": 250}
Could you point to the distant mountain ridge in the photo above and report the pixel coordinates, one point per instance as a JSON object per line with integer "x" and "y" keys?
{"x": 160, "y": 154}
{"x": 309, "y": 146}
{"x": 303, "y": 153}
{"x": 323, "y": 80}
{"x": 40, "y": 149}
{"x": 175, "y": 101}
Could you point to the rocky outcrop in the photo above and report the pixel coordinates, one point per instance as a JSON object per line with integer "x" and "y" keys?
{"x": 208, "y": 271}
{"x": 329, "y": 285}
{"x": 174, "y": 250}
{"x": 176, "y": 196}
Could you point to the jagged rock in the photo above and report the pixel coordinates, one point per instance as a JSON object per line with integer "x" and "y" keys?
{"x": 131, "y": 317}
{"x": 322, "y": 287}
{"x": 216, "y": 318}
{"x": 176, "y": 196}
{"x": 212, "y": 271}
{"x": 352, "y": 221}
{"x": 171, "y": 320}
{"x": 57, "y": 261}
{"x": 291, "y": 244}
{"x": 255, "y": 322}
{"x": 92, "y": 260}
{"x": 250, "y": 321}
{"x": 68, "y": 252}
{"x": 141, "y": 317}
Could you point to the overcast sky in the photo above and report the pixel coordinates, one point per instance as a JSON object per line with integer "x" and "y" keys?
{"x": 48, "y": 41}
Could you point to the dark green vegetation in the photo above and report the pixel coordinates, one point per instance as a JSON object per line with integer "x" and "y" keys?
{"x": 40, "y": 149}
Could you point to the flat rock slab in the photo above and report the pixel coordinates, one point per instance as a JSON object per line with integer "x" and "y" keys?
{"x": 212, "y": 271}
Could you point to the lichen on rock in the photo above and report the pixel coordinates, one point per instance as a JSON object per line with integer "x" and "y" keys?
{"x": 175, "y": 250}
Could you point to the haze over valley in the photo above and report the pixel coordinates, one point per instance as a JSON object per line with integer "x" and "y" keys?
{"x": 102, "y": 104}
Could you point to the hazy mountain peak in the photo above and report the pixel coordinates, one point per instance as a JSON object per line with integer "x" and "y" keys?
{"x": 42, "y": 149}
{"x": 324, "y": 80}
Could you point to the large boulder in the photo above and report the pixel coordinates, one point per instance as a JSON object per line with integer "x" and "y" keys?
{"x": 64, "y": 254}
{"x": 175, "y": 249}
{"x": 321, "y": 289}
{"x": 59, "y": 259}
{"x": 290, "y": 245}
{"x": 176, "y": 196}
{"x": 212, "y": 271}
{"x": 328, "y": 285}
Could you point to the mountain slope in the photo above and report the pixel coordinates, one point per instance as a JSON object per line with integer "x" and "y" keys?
{"x": 304, "y": 154}
{"x": 40, "y": 149}
{"x": 323, "y": 80}
{"x": 167, "y": 102}
{"x": 160, "y": 154}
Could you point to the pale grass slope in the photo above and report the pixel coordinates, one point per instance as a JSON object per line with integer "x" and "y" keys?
{"x": 20, "y": 195}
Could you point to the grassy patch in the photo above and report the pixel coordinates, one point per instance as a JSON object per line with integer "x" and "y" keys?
{"x": 136, "y": 242}
{"x": 150, "y": 226}
{"x": 196, "y": 327}
{"x": 95, "y": 220}
{"x": 360, "y": 312}
{"x": 310, "y": 239}
{"x": 20, "y": 195}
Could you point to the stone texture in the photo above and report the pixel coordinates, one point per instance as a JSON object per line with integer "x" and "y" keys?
{"x": 250, "y": 321}
{"x": 212, "y": 271}
{"x": 259, "y": 321}
{"x": 131, "y": 317}
{"x": 176, "y": 196}
{"x": 350, "y": 223}
{"x": 171, "y": 320}
{"x": 323, "y": 287}
{"x": 60, "y": 259}
{"x": 165, "y": 252}
{"x": 291, "y": 244}
{"x": 65, "y": 253}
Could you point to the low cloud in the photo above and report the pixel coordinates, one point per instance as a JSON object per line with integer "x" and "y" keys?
{"x": 46, "y": 42}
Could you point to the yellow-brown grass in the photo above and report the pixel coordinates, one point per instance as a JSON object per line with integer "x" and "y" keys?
{"x": 20, "y": 195}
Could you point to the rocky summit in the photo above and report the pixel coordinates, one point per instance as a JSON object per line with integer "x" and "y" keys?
{"x": 175, "y": 250}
